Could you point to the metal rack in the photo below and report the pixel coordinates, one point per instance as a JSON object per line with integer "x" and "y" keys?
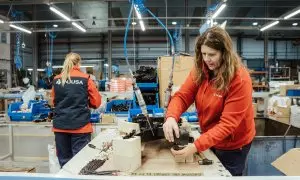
{"x": 279, "y": 73}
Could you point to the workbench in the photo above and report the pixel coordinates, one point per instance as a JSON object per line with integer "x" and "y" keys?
{"x": 157, "y": 161}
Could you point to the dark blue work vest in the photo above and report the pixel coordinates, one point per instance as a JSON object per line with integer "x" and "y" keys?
{"x": 71, "y": 103}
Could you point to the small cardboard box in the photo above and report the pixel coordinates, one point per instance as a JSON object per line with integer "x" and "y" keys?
{"x": 108, "y": 119}
{"x": 289, "y": 162}
{"x": 254, "y": 109}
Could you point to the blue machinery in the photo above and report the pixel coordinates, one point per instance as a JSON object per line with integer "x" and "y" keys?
{"x": 138, "y": 5}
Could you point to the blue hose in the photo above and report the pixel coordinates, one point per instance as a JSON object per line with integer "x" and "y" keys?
{"x": 125, "y": 37}
{"x": 170, "y": 36}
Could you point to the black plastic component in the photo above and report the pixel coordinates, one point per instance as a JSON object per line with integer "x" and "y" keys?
{"x": 145, "y": 74}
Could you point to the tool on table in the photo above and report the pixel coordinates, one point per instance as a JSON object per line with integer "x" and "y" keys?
{"x": 94, "y": 147}
{"x": 203, "y": 160}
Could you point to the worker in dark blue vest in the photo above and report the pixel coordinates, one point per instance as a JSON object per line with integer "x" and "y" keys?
{"x": 73, "y": 93}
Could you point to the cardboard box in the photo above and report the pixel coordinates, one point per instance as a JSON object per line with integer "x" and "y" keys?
{"x": 284, "y": 88}
{"x": 254, "y": 109}
{"x": 289, "y": 162}
{"x": 182, "y": 67}
{"x": 108, "y": 119}
{"x": 284, "y": 120}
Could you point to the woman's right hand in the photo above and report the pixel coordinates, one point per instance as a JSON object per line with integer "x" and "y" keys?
{"x": 169, "y": 127}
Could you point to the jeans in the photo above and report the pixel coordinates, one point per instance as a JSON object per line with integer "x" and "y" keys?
{"x": 68, "y": 145}
{"x": 233, "y": 160}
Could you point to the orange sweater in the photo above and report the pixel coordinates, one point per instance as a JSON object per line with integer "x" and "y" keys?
{"x": 226, "y": 119}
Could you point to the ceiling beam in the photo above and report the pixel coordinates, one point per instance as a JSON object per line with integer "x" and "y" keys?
{"x": 29, "y": 2}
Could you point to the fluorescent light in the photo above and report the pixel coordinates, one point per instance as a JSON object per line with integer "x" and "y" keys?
{"x": 255, "y": 23}
{"x": 40, "y": 70}
{"x": 106, "y": 65}
{"x": 292, "y": 14}
{"x": 56, "y": 67}
{"x": 215, "y": 23}
{"x": 219, "y": 10}
{"x": 20, "y": 28}
{"x": 142, "y": 25}
{"x": 269, "y": 25}
{"x": 295, "y": 24}
{"x": 174, "y": 22}
{"x": 58, "y": 12}
{"x": 139, "y": 16}
{"x": 78, "y": 26}
{"x": 55, "y": 25}
{"x": 133, "y": 23}
{"x": 1, "y": 21}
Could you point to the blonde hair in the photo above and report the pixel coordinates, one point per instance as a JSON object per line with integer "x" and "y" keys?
{"x": 218, "y": 39}
{"x": 71, "y": 60}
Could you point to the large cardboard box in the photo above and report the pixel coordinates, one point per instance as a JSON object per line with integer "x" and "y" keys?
{"x": 182, "y": 67}
{"x": 289, "y": 162}
{"x": 285, "y": 88}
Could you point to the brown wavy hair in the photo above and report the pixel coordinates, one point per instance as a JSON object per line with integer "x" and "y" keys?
{"x": 218, "y": 39}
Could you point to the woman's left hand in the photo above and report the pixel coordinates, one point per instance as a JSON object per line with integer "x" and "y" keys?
{"x": 185, "y": 152}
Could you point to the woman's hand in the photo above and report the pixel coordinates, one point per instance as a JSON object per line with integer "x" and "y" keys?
{"x": 185, "y": 152}
{"x": 169, "y": 127}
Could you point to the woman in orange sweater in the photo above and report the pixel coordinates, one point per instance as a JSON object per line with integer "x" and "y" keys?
{"x": 221, "y": 88}
{"x": 73, "y": 93}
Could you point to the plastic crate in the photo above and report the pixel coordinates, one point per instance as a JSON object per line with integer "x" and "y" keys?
{"x": 190, "y": 116}
{"x": 147, "y": 86}
{"x": 109, "y": 106}
{"x": 95, "y": 118}
{"x": 133, "y": 112}
{"x": 24, "y": 116}
{"x": 150, "y": 107}
{"x": 293, "y": 92}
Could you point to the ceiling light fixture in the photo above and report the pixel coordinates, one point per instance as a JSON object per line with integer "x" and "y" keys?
{"x": 269, "y": 25}
{"x": 255, "y": 23}
{"x": 59, "y": 12}
{"x": 174, "y": 23}
{"x": 55, "y": 25}
{"x": 138, "y": 14}
{"x": 78, "y": 27}
{"x": 20, "y": 28}
{"x": 295, "y": 24}
{"x": 293, "y": 13}
{"x": 218, "y": 11}
{"x": 133, "y": 23}
{"x": 1, "y": 21}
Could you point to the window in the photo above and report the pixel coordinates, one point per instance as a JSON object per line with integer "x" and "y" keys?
{"x": 3, "y": 38}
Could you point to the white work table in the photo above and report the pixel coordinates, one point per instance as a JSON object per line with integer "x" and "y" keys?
{"x": 166, "y": 167}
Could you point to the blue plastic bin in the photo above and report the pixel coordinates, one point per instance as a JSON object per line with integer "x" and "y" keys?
{"x": 293, "y": 92}
{"x": 118, "y": 102}
{"x": 34, "y": 114}
{"x": 95, "y": 118}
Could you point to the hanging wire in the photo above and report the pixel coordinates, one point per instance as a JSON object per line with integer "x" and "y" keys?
{"x": 167, "y": 39}
{"x": 133, "y": 41}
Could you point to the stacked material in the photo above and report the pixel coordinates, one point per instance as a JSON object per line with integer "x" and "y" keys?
{"x": 120, "y": 84}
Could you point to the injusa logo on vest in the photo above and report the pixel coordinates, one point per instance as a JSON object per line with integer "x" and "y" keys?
{"x": 73, "y": 81}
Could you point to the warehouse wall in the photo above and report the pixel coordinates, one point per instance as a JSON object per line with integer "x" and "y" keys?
{"x": 148, "y": 48}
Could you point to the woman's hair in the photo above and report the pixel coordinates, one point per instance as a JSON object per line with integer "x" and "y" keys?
{"x": 71, "y": 60}
{"x": 218, "y": 39}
